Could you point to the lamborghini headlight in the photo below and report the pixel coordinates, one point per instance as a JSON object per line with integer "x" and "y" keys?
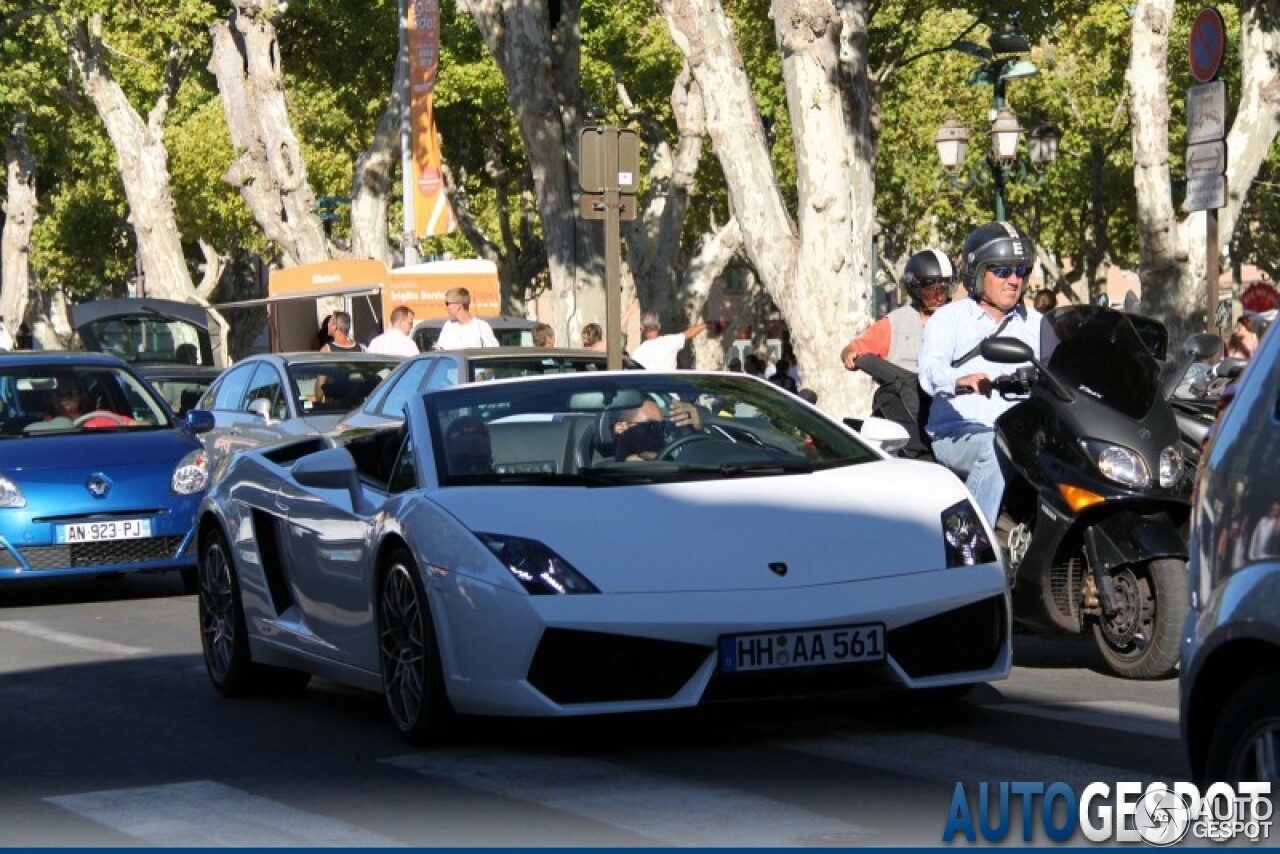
{"x": 1171, "y": 467}
{"x": 192, "y": 474}
{"x": 10, "y": 494}
{"x": 964, "y": 538}
{"x": 540, "y": 570}
{"x": 1123, "y": 465}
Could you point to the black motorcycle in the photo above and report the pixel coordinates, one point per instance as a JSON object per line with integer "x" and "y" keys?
{"x": 1094, "y": 518}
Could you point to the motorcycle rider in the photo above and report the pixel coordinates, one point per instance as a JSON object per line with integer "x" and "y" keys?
{"x": 928, "y": 279}
{"x": 995, "y": 262}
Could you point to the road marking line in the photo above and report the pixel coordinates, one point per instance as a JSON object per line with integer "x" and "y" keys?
{"x": 35, "y": 630}
{"x": 657, "y": 806}
{"x": 202, "y": 813}
{"x": 948, "y": 760}
{"x": 1121, "y": 715}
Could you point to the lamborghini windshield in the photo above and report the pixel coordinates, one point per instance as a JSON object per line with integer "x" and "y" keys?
{"x": 606, "y": 428}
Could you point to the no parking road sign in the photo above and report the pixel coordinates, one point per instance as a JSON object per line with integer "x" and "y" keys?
{"x": 1208, "y": 42}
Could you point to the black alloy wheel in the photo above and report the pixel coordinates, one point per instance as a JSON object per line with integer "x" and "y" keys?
{"x": 412, "y": 677}
{"x": 224, "y": 637}
{"x": 222, "y": 628}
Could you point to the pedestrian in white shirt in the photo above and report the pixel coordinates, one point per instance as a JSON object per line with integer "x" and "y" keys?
{"x": 658, "y": 352}
{"x": 462, "y": 330}
{"x": 396, "y": 341}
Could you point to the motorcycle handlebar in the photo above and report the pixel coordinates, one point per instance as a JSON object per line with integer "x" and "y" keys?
{"x": 1017, "y": 383}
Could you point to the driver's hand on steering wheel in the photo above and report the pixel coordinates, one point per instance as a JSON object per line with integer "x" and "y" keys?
{"x": 684, "y": 414}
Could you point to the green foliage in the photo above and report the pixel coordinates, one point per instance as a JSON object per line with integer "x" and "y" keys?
{"x": 82, "y": 241}
{"x": 338, "y": 57}
{"x": 199, "y": 153}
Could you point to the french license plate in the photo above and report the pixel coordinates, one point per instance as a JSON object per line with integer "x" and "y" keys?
{"x": 94, "y": 532}
{"x": 803, "y": 648}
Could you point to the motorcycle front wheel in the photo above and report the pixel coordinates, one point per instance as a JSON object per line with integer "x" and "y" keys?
{"x": 1141, "y": 639}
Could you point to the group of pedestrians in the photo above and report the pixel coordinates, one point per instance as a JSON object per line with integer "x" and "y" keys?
{"x": 460, "y": 331}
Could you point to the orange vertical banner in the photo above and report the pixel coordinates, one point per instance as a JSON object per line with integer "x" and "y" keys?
{"x": 431, "y": 211}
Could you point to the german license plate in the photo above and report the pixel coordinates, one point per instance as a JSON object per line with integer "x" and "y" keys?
{"x": 803, "y": 648}
{"x": 95, "y": 532}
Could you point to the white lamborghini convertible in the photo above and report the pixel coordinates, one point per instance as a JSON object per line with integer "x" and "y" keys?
{"x": 596, "y": 543}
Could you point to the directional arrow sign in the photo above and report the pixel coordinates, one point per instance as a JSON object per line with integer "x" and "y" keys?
{"x": 1206, "y": 159}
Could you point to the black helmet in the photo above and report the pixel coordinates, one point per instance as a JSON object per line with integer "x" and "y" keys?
{"x": 993, "y": 245}
{"x": 931, "y": 265}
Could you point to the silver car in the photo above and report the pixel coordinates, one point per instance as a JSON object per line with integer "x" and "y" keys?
{"x": 1230, "y": 680}
{"x": 274, "y": 396}
{"x": 452, "y": 367}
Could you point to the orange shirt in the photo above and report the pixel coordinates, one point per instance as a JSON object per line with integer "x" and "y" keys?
{"x": 875, "y": 340}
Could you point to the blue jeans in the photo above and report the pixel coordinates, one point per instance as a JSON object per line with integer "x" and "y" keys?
{"x": 972, "y": 456}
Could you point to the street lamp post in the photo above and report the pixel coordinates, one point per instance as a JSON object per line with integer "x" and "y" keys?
{"x": 1004, "y": 166}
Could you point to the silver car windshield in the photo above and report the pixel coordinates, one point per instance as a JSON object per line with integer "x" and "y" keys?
{"x": 609, "y": 428}
{"x": 333, "y": 387}
{"x": 62, "y": 399}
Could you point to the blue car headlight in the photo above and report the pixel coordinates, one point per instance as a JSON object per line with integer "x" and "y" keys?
{"x": 10, "y": 494}
{"x": 540, "y": 570}
{"x": 192, "y": 474}
{"x": 964, "y": 538}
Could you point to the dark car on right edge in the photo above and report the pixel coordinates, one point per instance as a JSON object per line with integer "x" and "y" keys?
{"x": 1230, "y": 680}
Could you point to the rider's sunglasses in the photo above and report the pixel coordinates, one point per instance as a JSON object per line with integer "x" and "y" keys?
{"x": 1006, "y": 272}
{"x": 936, "y": 286}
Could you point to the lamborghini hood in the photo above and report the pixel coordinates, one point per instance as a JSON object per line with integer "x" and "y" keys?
{"x": 857, "y": 522}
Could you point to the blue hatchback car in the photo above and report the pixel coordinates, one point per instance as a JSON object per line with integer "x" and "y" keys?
{"x": 97, "y": 475}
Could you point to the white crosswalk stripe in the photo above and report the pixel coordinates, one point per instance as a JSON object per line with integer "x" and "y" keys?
{"x": 947, "y": 760}
{"x": 659, "y": 807}
{"x": 36, "y": 630}
{"x": 204, "y": 813}
{"x": 1126, "y": 716}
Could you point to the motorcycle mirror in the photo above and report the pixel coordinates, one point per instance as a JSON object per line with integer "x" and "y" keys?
{"x": 1006, "y": 350}
{"x": 1202, "y": 346}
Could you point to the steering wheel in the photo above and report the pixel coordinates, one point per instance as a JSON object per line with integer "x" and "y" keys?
{"x": 112, "y": 419}
{"x": 670, "y": 451}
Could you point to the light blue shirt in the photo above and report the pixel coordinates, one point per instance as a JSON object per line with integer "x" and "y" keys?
{"x": 951, "y": 332}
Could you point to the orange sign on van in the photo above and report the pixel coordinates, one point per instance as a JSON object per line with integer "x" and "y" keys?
{"x": 422, "y": 288}
{"x": 329, "y": 275}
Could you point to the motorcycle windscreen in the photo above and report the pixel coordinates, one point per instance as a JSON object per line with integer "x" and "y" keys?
{"x": 1098, "y": 352}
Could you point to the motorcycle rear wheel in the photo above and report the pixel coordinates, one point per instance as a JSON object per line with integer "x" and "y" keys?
{"x": 1141, "y": 640}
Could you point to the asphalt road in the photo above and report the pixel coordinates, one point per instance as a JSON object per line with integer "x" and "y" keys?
{"x": 114, "y": 737}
